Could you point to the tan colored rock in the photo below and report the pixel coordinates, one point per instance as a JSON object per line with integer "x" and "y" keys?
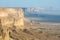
{"x": 11, "y": 17}
{"x": 8, "y": 15}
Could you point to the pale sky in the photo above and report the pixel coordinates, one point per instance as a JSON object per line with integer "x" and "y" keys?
{"x": 31, "y": 3}
{"x": 55, "y": 4}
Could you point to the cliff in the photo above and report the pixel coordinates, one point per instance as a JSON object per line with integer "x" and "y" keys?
{"x": 10, "y": 17}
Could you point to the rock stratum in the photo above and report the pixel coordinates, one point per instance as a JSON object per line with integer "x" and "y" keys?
{"x": 14, "y": 27}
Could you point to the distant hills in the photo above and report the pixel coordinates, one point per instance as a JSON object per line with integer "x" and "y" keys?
{"x": 45, "y": 17}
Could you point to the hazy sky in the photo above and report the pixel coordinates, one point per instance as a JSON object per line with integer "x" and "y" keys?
{"x": 55, "y": 4}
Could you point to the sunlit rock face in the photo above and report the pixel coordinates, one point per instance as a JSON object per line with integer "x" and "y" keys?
{"x": 12, "y": 16}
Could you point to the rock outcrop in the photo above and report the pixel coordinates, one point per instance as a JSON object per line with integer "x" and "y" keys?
{"x": 10, "y": 17}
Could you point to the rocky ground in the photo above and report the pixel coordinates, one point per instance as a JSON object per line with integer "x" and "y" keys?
{"x": 32, "y": 34}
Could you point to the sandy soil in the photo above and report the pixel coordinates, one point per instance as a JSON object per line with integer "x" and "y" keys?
{"x": 34, "y": 31}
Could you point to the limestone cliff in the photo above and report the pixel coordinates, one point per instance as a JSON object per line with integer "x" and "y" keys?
{"x": 10, "y": 17}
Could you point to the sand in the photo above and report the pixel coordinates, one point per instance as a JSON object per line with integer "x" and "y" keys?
{"x": 34, "y": 31}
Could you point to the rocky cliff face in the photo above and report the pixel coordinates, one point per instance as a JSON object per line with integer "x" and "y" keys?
{"x": 10, "y": 17}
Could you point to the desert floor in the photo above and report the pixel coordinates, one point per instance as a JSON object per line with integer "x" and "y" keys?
{"x": 35, "y": 31}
